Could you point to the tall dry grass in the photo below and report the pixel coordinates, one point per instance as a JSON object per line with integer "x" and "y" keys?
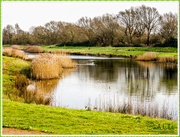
{"x": 148, "y": 56}
{"x": 49, "y": 66}
{"x": 7, "y": 51}
{"x": 33, "y": 49}
{"x": 15, "y": 53}
{"x": 167, "y": 60}
{"x": 15, "y": 47}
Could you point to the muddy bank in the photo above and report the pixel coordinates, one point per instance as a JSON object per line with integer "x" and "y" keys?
{"x": 16, "y": 131}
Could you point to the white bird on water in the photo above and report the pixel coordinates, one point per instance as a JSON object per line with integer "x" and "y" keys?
{"x": 31, "y": 87}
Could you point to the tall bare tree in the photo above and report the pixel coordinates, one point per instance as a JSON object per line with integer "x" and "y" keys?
{"x": 127, "y": 21}
{"x": 150, "y": 18}
{"x": 169, "y": 26}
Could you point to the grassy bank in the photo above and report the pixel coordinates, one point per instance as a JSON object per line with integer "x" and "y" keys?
{"x": 117, "y": 51}
{"x": 70, "y": 121}
{"x": 113, "y": 51}
{"x": 11, "y": 68}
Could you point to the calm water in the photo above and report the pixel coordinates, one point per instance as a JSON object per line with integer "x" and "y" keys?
{"x": 117, "y": 85}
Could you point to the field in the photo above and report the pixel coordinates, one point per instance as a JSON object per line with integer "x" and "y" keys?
{"x": 70, "y": 121}
{"x": 114, "y": 51}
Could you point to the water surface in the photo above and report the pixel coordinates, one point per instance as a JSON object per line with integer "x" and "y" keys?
{"x": 119, "y": 85}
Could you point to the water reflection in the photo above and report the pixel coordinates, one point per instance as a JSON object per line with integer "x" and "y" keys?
{"x": 41, "y": 91}
{"x": 118, "y": 85}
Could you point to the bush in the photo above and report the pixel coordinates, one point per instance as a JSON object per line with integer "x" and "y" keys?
{"x": 20, "y": 83}
{"x": 7, "y": 51}
{"x": 33, "y": 49}
{"x": 171, "y": 42}
{"x": 49, "y": 66}
{"x": 15, "y": 47}
{"x": 148, "y": 56}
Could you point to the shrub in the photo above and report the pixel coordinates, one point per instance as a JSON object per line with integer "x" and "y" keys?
{"x": 7, "y": 51}
{"x": 20, "y": 83}
{"x": 167, "y": 60}
{"x": 15, "y": 47}
{"x": 48, "y": 66}
{"x": 33, "y": 49}
{"x": 148, "y": 56}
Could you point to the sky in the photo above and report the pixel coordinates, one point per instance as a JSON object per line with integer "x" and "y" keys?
{"x": 28, "y": 14}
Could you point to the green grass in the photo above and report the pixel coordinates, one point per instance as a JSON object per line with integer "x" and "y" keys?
{"x": 117, "y": 51}
{"x": 70, "y": 121}
{"x": 11, "y": 67}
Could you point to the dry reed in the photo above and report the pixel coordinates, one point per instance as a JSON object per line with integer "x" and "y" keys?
{"x": 33, "y": 49}
{"x": 7, "y": 51}
{"x": 148, "y": 56}
{"x": 49, "y": 66}
{"x": 15, "y": 53}
{"x": 167, "y": 60}
{"x": 15, "y": 47}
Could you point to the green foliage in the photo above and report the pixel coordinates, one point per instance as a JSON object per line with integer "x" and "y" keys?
{"x": 171, "y": 42}
{"x": 11, "y": 69}
{"x": 70, "y": 121}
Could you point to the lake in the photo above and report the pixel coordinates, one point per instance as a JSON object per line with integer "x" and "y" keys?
{"x": 116, "y": 85}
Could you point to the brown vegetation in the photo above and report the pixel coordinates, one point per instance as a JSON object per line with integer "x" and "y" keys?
{"x": 34, "y": 49}
{"x": 48, "y": 66}
{"x": 148, "y": 56}
{"x": 15, "y": 47}
{"x": 7, "y": 51}
{"x": 15, "y": 53}
{"x": 167, "y": 60}
{"x": 131, "y": 27}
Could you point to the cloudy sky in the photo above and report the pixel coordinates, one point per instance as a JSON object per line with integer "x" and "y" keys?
{"x": 28, "y": 14}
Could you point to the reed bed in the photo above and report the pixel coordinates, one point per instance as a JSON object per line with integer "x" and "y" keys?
{"x": 33, "y": 49}
{"x": 15, "y": 53}
{"x": 135, "y": 107}
{"x": 40, "y": 92}
{"x": 49, "y": 66}
{"x": 148, "y": 56}
{"x": 7, "y": 51}
{"x": 15, "y": 47}
{"x": 167, "y": 60}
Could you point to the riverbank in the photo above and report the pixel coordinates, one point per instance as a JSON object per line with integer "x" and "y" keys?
{"x": 70, "y": 121}
{"x": 17, "y": 114}
{"x": 130, "y": 52}
{"x": 163, "y": 54}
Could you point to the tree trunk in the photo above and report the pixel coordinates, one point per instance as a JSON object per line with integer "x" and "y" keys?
{"x": 148, "y": 39}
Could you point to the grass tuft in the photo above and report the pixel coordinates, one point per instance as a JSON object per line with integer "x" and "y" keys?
{"x": 33, "y": 49}
{"x": 148, "y": 56}
{"x": 15, "y": 47}
{"x": 49, "y": 66}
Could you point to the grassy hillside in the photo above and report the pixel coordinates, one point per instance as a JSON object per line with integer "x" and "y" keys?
{"x": 70, "y": 121}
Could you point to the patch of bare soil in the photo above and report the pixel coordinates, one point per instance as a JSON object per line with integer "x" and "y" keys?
{"x": 15, "y": 131}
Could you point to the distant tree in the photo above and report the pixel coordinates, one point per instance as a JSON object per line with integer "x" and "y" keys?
{"x": 8, "y": 33}
{"x": 168, "y": 26}
{"x": 85, "y": 24}
{"x": 139, "y": 24}
{"x": 149, "y": 18}
{"x": 127, "y": 21}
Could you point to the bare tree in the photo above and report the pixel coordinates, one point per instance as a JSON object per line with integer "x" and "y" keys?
{"x": 169, "y": 26}
{"x": 139, "y": 25}
{"x": 8, "y": 33}
{"x": 127, "y": 21}
{"x": 149, "y": 18}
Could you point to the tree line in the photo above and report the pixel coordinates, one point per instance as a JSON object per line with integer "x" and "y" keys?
{"x": 136, "y": 26}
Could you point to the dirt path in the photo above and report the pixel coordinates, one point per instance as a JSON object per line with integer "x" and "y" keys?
{"x": 15, "y": 131}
